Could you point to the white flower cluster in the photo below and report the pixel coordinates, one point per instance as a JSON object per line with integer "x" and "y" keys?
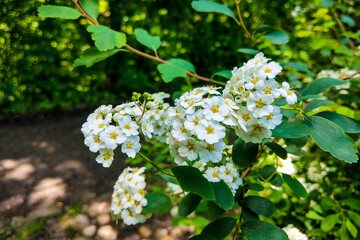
{"x": 338, "y": 74}
{"x": 128, "y": 198}
{"x": 294, "y": 233}
{"x": 253, "y": 88}
{"x": 197, "y": 131}
{"x": 109, "y": 127}
{"x": 317, "y": 171}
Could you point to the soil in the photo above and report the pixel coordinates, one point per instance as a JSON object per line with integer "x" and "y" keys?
{"x": 51, "y": 187}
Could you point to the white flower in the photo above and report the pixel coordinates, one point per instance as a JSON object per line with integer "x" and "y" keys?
{"x": 212, "y": 152}
{"x": 98, "y": 125}
{"x": 200, "y": 165}
{"x": 289, "y": 94}
{"x": 215, "y": 109}
{"x": 147, "y": 128}
{"x": 128, "y": 126}
{"x": 272, "y": 69}
{"x": 256, "y": 133}
{"x": 212, "y": 174}
{"x": 258, "y": 104}
{"x": 179, "y": 131}
{"x": 272, "y": 120}
{"x": 210, "y": 131}
{"x": 294, "y": 233}
{"x": 271, "y": 88}
{"x": 94, "y": 143}
{"x": 131, "y": 146}
{"x": 189, "y": 149}
{"x": 174, "y": 147}
{"x": 210, "y": 90}
{"x": 259, "y": 59}
{"x": 192, "y": 120}
{"x": 257, "y": 82}
{"x": 106, "y": 157}
{"x": 112, "y": 136}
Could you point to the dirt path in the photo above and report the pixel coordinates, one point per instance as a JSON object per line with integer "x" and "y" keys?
{"x": 50, "y": 182}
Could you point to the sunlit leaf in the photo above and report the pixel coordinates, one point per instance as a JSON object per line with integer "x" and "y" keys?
{"x": 91, "y": 7}
{"x": 277, "y": 37}
{"x": 106, "y": 38}
{"x": 208, "y": 6}
{"x": 92, "y": 56}
{"x": 143, "y": 37}
{"x": 53, "y": 11}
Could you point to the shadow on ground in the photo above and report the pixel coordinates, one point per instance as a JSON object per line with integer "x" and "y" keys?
{"x": 52, "y": 188}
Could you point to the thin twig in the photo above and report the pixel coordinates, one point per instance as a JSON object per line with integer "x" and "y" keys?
{"x": 350, "y": 76}
{"x": 237, "y": 2}
{"x": 154, "y": 165}
{"x": 94, "y": 21}
{"x": 238, "y": 225}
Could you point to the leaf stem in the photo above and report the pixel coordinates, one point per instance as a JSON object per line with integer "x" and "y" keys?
{"x": 241, "y": 23}
{"x": 154, "y": 165}
{"x": 94, "y": 21}
{"x": 238, "y": 225}
{"x": 350, "y": 76}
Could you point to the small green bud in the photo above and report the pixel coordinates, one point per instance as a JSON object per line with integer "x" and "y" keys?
{"x": 133, "y": 98}
{"x": 148, "y": 107}
{"x": 138, "y": 95}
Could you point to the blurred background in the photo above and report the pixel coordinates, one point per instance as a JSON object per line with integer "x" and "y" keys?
{"x": 51, "y": 187}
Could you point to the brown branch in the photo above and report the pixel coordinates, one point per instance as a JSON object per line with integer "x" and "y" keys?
{"x": 94, "y": 21}
{"x": 237, "y": 226}
{"x": 350, "y": 76}
{"x": 246, "y": 172}
{"x": 237, "y": 2}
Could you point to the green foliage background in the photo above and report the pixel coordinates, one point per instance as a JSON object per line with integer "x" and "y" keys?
{"x": 37, "y": 54}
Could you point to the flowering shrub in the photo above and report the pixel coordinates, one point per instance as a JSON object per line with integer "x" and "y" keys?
{"x": 225, "y": 142}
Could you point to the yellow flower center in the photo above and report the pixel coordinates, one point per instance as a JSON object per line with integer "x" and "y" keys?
{"x": 196, "y": 121}
{"x": 289, "y": 92}
{"x": 191, "y": 103}
{"x": 145, "y": 127}
{"x": 127, "y": 126}
{"x": 270, "y": 116}
{"x": 254, "y": 80}
{"x": 267, "y": 90}
{"x": 215, "y": 109}
{"x": 141, "y": 192}
{"x": 259, "y": 104}
{"x": 97, "y": 139}
{"x": 190, "y": 146}
{"x": 210, "y": 130}
{"x": 129, "y": 145}
{"x": 215, "y": 175}
{"x": 107, "y": 156}
{"x": 227, "y": 172}
{"x": 268, "y": 70}
{"x": 113, "y": 135}
{"x": 162, "y": 118}
{"x": 246, "y": 116}
{"x": 183, "y": 129}
{"x": 210, "y": 147}
{"x": 101, "y": 125}
{"x": 241, "y": 88}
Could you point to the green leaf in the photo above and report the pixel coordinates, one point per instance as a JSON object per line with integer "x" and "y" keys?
{"x": 355, "y": 217}
{"x": 189, "y": 204}
{"x": 167, "y": 178}
{"x": 276, "y": 148}
{"x": 259, "y": 230}
{"x": 295, "y": 185}
{"x": 220, "y": 228}
{"x": 186, "y": 65}
{"x": 244, "y": 154}
{"x": 347, "y": 124}
{"x": 327, "y": 3}
{"x": 259, "y": 205}
{"x": 156, "y": 202}
{"x": 328, "y": 136}
{"x": 254, "y": 186}
{"x": 317, "y": 103}
{"x": 294, "y": 129}
{"x": 266, "y": 171}
{"x": 143, "y": 37}
{"x": 249, "y": 215}
{"x": 277, "y": 37}
{"x": 276, "y": 180}
{"x": 329, "y": 222}
{"x": 348, "y": 20}
{"x": 313, "y": 215}
{"x": 106, "y": 38}
{"x": 190, "y": 179}
{"x": 214, "y": 209}
{"x": 353, "y": 203}
{"x": 208, "y": 6}
{"x": 352, "y": 229}
{"x": 223, "y": 195}
{"x": 224, "y": 73}
{"x": 92, "y": 56}
{"x": 53, "y": 11}
{"x": 202, "y": 237}
{"x": 169, "y": 72}
{"x": 248, "y": 51}
{"x": 343, "y": 232}
{"x": 301, "y": 67}
{"x": 310, "y": 97}
{"x": 91, "y": 7}
{"x": 320, "y": 85}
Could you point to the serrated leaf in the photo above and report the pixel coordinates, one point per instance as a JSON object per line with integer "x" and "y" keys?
{"x": 320, "y": 85}
{"x": 208, "y": 6}
{"x": 189, "y": 204}
{"x": 91, "y": 7}
{"x": 248, "y": 51}
{"x": 295, "y": 185}
{"x": 313, "y": 215}
{"x": 53, "y": 11}
{"x": 223, "y": 195}
{"x": 259, "y": 230}
{"x": 277, "y": 37}
{"x": 188, "y": 176}
{"x": 143, "y": 37}
{"x": 92, "y": 56}
{"x": 351, "y": 228}
{"x": 259, "y": 205}
{"x": 156, "y": 202}
{"x": 224, "y": 73}
{"x": 244, "y": 154}
{"x": 329, "y": 222}
{"x": 352, "y": 202}
{"x": 296, "y": 129}
{"x": 347, "y": 124}
{"x": 169, "y": 72}
{"x": 328, "y": 136}
{"x": 317, "y": 103}
{"x": 186, "y": 65}
{"x": 106, "y": 38}
{"x": 220, "y": 228}
{"x": 277, "y": 149}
